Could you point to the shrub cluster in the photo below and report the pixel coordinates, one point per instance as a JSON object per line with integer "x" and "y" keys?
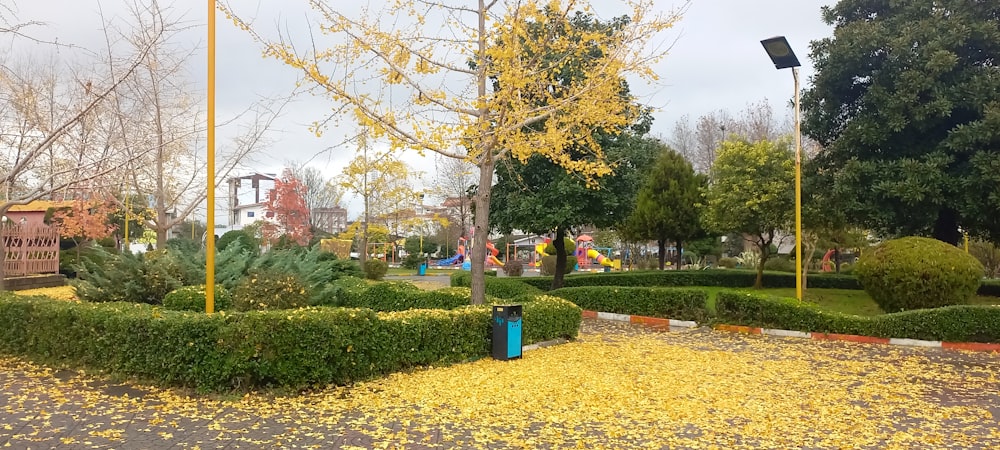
{"x": 103, "y": 276}
{"x": 728, "y": 263}
{"x": 375, "y": 269}
{"x": 672, "y": 303}
{"x": 192, "y": 298}
{"x": 952, "y": 323}
{"x": 916, "y": 272}
{"x": 270, "y": 290}
{"x": 295, "y": 348}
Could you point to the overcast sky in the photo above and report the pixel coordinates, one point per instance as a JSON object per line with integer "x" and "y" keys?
{"x": 716, "y": 62}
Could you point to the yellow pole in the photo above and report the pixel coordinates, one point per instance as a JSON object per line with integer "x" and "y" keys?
{"x": 210, "y": 175}
{"x": 966, "y": 242}
{"x": 798, "y": 191}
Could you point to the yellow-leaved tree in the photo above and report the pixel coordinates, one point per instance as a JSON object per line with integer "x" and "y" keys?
{"x": 440, "y": 76}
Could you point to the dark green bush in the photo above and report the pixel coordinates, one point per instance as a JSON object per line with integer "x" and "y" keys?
{"x": 339, "y": 292}
{"x": 779, "y": 264}
{"x": 313, "y": 266}
{"x": 989, "y": 288}
{"x": 915, "y": 273}
{"x": 293, "y": 349}
{"x": 513, "y": 268}
{"x": 549, "y": 265}
{"x": 247, "y": 241}
{"x": 719, "y": 278}
{"x": 270, "y": 290}
{"x": 728, "y": 263}
{"x": 192, "y": 298}
{"x": 670, "y": 303}
{"x": 375, "y": 269}
{"x": 846, "y": 268}
{"x": 953, "y": 323}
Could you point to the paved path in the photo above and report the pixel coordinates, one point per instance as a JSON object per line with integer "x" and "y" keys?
{"x": 619, "y": 386}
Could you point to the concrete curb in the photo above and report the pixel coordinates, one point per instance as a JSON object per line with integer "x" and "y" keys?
{"x": 659, "y": 323}
{"x": 543, "y": 344}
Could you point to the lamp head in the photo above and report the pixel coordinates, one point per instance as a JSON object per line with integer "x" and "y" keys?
{"x": 780, "y": 52}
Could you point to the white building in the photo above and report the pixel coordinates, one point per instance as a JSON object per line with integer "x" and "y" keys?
{"x": 247, "y": 197}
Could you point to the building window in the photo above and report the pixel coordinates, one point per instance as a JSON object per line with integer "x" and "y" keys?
{"x": 249, "y": 213}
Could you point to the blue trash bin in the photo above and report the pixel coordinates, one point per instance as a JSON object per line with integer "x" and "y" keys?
{"x": 507, "y": 332}
{"x": 422, "y": 270}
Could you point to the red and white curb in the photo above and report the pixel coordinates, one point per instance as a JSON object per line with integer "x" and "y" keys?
{"x": 656, "y": 322}
{"x": 649, "y": 321}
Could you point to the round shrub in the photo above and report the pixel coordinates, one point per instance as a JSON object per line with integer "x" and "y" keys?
{"x": 268, "y": 290}
{"x": 192, "y": 298}
{"x": 549, "y": 265}
{"x": 375, "y": 269}
{"x": 779, "y": 264}
{"x": 915, "y": 273}
{"x": 728, "y": 263}
{"x": 550, "y": 248}
{"x": 513, "y": 268}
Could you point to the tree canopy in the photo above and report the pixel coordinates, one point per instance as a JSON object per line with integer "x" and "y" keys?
{"x": 906, "y": 102}
{"x": 752, "y": 192}
{"x": 669, "y": 203}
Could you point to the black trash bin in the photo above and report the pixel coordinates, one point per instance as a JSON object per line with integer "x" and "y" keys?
{"x": 506, "y": 332}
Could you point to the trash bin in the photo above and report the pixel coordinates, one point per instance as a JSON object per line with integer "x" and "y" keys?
{"x": 506, "y": 332}
{"x": 422, "y": 270}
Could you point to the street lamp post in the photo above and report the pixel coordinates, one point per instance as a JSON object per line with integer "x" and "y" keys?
{"x": 783, "y": 57}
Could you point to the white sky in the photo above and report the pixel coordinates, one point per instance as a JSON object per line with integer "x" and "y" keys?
{"x": 716, "y": 62}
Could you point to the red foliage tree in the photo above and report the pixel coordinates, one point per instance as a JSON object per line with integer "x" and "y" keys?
{"x": 286, "y": 204}
{"x": 84, "y": 220}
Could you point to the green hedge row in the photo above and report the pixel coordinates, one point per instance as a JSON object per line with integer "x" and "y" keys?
{"x": 715, "y": 277}
{"x": 289, "y": 348}
{"x": 499, "y": 287}
{"x": 989, "y": 288}
{"x": 952, "y": 323}
{"x": 672, "y": 303}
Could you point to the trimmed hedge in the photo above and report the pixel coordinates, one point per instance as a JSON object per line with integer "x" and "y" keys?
{"x": 713, "y": 277}
{"x": 952, "y": 323}
{"x": 192, "y": 298}
{"x": 498, "y": 287}
{"x": 290, "y": 348}
{"x": 989, "y": 288}
{"x": 671, "y": 303}
{"x": 392, "y": 296}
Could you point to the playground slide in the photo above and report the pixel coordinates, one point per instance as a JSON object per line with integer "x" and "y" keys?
{"x": 457, "y": 259}
{"x": 493, "y": 260}
{"x": 603, "y": 260}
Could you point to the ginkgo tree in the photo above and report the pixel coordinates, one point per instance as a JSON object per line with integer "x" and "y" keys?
{"x": 465, "y": 75}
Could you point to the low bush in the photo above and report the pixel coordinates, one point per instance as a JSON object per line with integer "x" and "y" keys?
{"x": 728, "y": 263}
{"x": 498, "y": 287}
{"x": 412, "y": 261}
{"x": 293, "y": 349}
{"x": 375, "y": 269}
{"x": 339, "y": 292}
{"x": 268, "y": 290}
{"x": 952, "y": 323}
{"x": 989, "y": 288}
{"x": 549, "y": 265}
{"x": 103, "y": 276}
{"x": 192, "y": 298}
{"x": 713, "y": 278}
{"x": 779, "y": 264}
{"x": 514, "y": 268}
{"x": 915, "y": 273}
{"x": 670, "y": 303}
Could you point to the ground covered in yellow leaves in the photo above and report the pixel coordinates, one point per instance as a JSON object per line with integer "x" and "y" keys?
{"x": 619, "y": 386}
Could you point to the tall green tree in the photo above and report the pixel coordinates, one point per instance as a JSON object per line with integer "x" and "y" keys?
{"x": 669, "y": 204}
{"x": 906, "y": 102}
{"x": 539, "y": 197}
{"x": 752, "y": 192}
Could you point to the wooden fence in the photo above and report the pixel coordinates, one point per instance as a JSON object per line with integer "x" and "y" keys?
{"x": 30, "y": 249}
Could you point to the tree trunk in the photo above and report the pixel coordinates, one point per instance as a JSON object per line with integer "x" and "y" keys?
{"x": 661, "y": 244}
{"x": 481, "y": 221}
{"x": 560, "y": 244}
{"x": 764, "y": 248}
{"x": 946, "y": 226}
{"x": 3, "y": 252}
{"x": 680, "y": 255}
{"x": 836, "y": 259}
